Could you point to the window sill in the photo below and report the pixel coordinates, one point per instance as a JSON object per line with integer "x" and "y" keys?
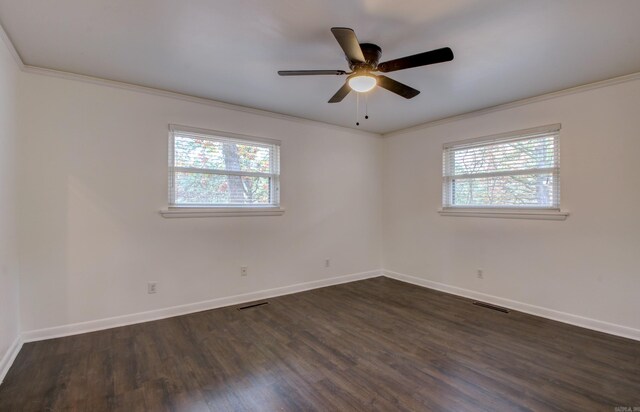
{"x": 507, "y": 213}
{"x": 182, "y": 212}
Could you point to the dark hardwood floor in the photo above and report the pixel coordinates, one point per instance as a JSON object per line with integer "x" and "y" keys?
{"x": 377, "y": 344}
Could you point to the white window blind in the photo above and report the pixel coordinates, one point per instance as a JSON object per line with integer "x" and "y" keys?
{"x": 511, "y": 170}
{"x": 212, "y": 169}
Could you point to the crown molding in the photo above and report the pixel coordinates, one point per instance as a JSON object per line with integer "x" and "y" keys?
{"x": 210, "y": 102}
{"x": 282, "y": 116}
{"x": 188, "y": 98}
{"x": 12, "y": 50}
{"x": 523, "y": 102}
{"x": 166, "y": 93}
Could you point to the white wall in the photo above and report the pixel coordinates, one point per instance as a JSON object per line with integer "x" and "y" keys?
{"x": 9, "y": 317}
{"x": 94, "y": 171}
{"x": 588, "y": 265}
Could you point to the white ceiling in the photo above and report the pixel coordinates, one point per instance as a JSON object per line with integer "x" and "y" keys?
{"x": 230, "y": 51}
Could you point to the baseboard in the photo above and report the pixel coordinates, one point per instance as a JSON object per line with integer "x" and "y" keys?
{"x": 9, "y": 357}
{"x": 588, "y": 323}
{"x": 107, "y": 323}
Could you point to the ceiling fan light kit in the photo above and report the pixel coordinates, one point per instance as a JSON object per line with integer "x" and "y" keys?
{"x": 362, "y": 83}
{"x": 363, "y": 59}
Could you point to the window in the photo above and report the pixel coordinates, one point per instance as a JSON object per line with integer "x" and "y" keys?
{"x": 518, "y": 170}
{"x": 214, "y": 169}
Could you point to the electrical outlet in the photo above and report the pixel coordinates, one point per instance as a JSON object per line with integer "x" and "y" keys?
{"x": 152, "y": 287}
{"x": 480, "y": 274}
{"x": 243, "y": 271}
{"x": 327, "y": 263}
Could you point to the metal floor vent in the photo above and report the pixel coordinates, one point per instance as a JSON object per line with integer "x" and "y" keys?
{"x": 490, "y": 306}
{"x": 253, "y": 305}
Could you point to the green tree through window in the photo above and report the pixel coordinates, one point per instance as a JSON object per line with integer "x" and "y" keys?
{"x": 510, "y": 171}
{"x": 220, "y": 171}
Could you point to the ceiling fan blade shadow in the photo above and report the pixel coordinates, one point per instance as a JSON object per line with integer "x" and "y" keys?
{"x": 422, "y": 59}
{"x": 349, "y": 43}
{"x": 340, "y": 94}
{"x": 311, "y": 72}
{"x": 397, "y": 87}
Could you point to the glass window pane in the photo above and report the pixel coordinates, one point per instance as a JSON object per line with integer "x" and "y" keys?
{"x": 516, "y": 155}
{"x": 205, "y": 189}
{"x": 532, "y": 190}
{"x": 214, "y": 154}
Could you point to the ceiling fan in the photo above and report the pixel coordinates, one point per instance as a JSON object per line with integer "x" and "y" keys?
{"x": 363, "y": 61}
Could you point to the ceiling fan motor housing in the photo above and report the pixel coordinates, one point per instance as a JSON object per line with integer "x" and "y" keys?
{"x": 372, "y": 53}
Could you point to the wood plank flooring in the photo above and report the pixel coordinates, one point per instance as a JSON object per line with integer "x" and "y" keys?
{"x": 377, "y": 344}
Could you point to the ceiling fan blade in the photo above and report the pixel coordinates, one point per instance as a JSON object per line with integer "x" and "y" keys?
{"x": 340, "y": 94}
{"x": 397, "y": 87}
{"x": 310, "y": 72}
{"x": 349, "y": 43}
{"x": 422, "y": 59}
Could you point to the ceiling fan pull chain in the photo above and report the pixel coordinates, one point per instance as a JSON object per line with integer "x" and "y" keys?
{"x": 357, "y": 108}
{"x": 366, "y": 106}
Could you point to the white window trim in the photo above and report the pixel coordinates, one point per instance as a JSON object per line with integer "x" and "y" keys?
{"x": 506, "y": 213}
{"x": 191, "y": 211}
{"x": 541, "y": 213}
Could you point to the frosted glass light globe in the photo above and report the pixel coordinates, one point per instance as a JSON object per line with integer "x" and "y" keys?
{"x": 362, "y": 83}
